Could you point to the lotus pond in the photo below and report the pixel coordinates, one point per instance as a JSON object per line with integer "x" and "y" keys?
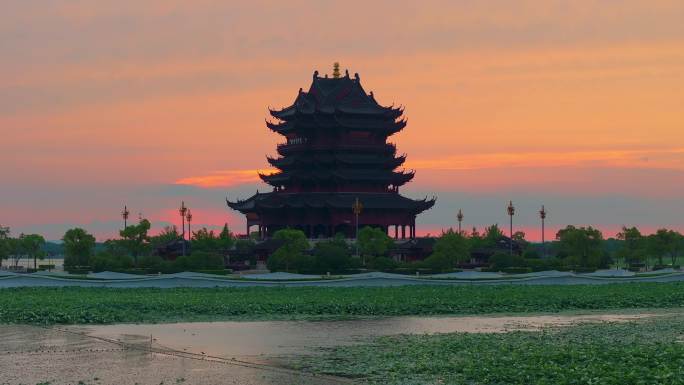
{"x": 73, "y": 305}
{"x": 642, "y": 352}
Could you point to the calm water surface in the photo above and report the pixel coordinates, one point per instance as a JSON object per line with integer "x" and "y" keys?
{"x": 239, "y": 339}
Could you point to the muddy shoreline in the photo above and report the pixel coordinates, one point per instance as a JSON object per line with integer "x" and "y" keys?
{"x": 248, "y": 353}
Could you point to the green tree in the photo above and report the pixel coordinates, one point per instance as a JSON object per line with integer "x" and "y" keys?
{"x": 225, "y": 233}
{"x": 373, "y": 242}
{"x": 15, "y": 250}
{"x": 78, "y": 247}
{"x": 382, "y": 263}
{"x": 439, "y": 262}
{"x": 665, "y": 243}
{"x": 200, "y": 260}
{"x": 226, "y": 238}
{"x": 4, "y": 243}
{"x": 168, "y": 234}
{"x": 204, "y": 240}
{"x": 519, "y": 236}
{"x": 291, "y": 253}
{"x": 105, "y": 261}
{"x": 449, "y": 249}
{"x": 500, "y": 261}
{"x": 585, "y": 243}
{"x": 475, "y": 239}
{"x": 492, "y": 235}
{"x": 207, "y": 240}
{"x": 332, "y": 255}
{"x": 632, "y": 245}
{"x": 32, "y": 246}
{"x": 135, "y": 238}
{"x": 243, "y": 250}
{"x": 115, "y": 247}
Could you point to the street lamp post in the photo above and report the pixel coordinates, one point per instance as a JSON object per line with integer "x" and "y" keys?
{"x": 459, "y": 216}
{"x": 183, "y": 210}
{"x": 188, "y": 216}
{"x": 124, "y": 214}
{"x": 511, "y": 212}
{"x": 542, "y": 215}
{"x": 357, "y": 207}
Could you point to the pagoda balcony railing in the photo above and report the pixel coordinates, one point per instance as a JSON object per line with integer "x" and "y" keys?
{"x": 294, "y": 146}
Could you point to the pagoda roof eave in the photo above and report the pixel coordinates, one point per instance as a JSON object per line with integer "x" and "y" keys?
{"x": 370, "y": 201}
{"x": 385, "y": 176}
{"x": 387, "y": 162}
{"x": 388, "y": 127}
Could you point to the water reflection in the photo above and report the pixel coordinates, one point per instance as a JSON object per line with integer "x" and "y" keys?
{"x": 258, "y": 339}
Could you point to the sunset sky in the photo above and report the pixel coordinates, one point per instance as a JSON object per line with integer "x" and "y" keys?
{"x": 577, "y": 105}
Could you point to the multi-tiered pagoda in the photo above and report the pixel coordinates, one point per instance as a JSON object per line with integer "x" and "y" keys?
{"x": 336, "y": 152}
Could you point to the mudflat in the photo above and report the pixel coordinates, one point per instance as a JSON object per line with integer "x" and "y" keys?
{"x": 33, "y": 355}
{"x": 219, "y": 352}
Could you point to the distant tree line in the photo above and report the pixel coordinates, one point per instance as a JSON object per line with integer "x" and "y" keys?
{"x": 133, "y": 250}
{"x": 574, "y": 248}
{"x": 29, "y": 246}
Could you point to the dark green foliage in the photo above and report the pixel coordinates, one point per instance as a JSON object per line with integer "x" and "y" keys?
{"x": 108, "y": 262}
{"x": 115, "y": 247}
{"x": 135, "y": 239}
{"x": 331, "y": 256}
{"x": 149, "y": 261}
{"x": 152, "y": 264}
{"x": 168, "y": 234}
{"x": 643, "y": 352}
{"x": 382, "y": 263}
{"x": 583, "y": 246}
{"x": 208, "y": 241}
{"x": 4, "y": 243}
{"x": 373, "y": 242}
{"x": 544, "y": 264}
{"x": 31, "y": 245}
{"x": 500, "y": 261}
{"x": 492, "y": 235}
{"x": 290, "y": 256}
{"x": 449, "y": 249}
{"x": 665, "y": 243}
{"x": 199, "y": 260}
{"x": 632, "y": 249}
{"x": 530, "y": 253}
{"x": 71, "y": 305}
{"x": 78, "y": 247}
{"x": 438, "y": 262}
{"x": 243, "y": 251}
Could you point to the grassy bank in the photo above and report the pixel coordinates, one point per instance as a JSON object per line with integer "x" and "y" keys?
{"x": 101, "y": 305}
{"x": 642, "y": 352}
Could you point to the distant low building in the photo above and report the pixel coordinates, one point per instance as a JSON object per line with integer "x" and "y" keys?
{"x": 480, "y": 256}
{"x": 172, "y": 249}
{"x": 411, "y": 250}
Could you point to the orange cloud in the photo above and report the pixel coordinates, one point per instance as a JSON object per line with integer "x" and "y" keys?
{"x": 226, "y": 178}
{"x": 672, "y": 159}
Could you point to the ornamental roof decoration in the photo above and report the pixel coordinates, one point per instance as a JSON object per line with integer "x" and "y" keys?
{"x": 342, "y": 95}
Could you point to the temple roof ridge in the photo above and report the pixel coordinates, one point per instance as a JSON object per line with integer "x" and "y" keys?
{"x": 327, "y": 95}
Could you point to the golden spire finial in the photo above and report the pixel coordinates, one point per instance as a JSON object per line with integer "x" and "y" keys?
{"x": 336, "y": 70}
